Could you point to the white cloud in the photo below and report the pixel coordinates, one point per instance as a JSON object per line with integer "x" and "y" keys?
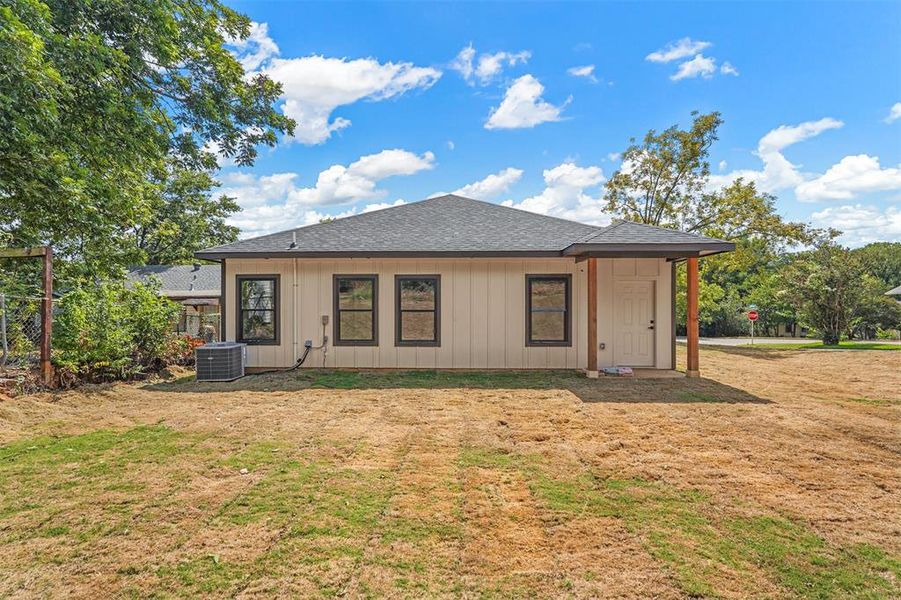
{"x": 778, "y": 173}
{"x": 728, "y": 69}
{"x": 894, "y": 113}
{"x": 314, "y": 86}
{"x": 462, "y": 63}
{"x": 450, "y": 144}
{"x": 567, "y": 194}
{"x": 484, "y": 69}
{"x": 861, "y": 224}
{"x": 275, "y": 202}
{"x": 722, "y": 165}
{"x": 699, "y": 66}
{"x": 586, "y": 71}
{"x": 491, "y": 65}
{"x": 523, "y": 106}
{"x": 845, "y": 180}
{"x": 614, "y": 156}
{"x": 492, "y": 185}
{"x": 381, "y": 205}
{"x": 256, "y": 48}
{"x": 679, "y": 49}
{"x": 787, "y": 135}
{"x": 850, "y": 177}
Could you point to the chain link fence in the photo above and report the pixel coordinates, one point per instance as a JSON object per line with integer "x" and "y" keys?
{"x": 197, "y": 323}
{"x": 20, "y": 331}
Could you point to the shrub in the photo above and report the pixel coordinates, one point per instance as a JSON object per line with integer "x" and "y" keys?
{"x": 108, "y": 331}
{"x": 150, "y": 321}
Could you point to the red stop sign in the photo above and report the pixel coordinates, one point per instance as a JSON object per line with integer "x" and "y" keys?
{"x": 752, "y": 315}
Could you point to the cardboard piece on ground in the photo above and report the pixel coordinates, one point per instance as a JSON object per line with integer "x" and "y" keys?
{"x": 619, "y": 371}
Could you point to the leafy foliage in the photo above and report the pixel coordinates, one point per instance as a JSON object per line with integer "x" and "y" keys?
{"x": 883, "y": 261}
{"x": 827, "y": 288}
{"x": 98, "y": 99}
{"x": 663, "y": 175}
{"x": 183, "y": 217}
{"x": 108, "y": 331}
{"x": 664, "y": 180}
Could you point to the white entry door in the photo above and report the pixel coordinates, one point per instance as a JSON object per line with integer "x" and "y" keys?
{"x": 634, "y": 323}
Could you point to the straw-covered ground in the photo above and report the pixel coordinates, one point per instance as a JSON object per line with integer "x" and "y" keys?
{"x": 776, "y": 476}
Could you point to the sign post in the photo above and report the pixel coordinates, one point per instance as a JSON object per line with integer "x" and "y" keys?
{"x": 752, "y": 316}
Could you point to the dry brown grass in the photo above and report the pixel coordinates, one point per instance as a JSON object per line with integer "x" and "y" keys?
{"x": 776, "y": 476}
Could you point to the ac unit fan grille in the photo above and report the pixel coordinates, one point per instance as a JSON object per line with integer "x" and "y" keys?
{"x": 221, "y": 361}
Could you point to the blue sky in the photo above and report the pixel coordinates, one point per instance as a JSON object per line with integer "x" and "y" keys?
{"x": 528, "y": 104}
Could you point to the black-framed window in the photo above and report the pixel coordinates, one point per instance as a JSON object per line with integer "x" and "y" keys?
{"x": 548, "y": 310}
{"x": 356, "y": 307}
{"x": 417, "y": 311}
{"x": 257, "y": 305}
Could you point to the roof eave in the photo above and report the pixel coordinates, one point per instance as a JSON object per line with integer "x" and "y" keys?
{"x": 215, "y": 255}
{"x": 680, "y": 250}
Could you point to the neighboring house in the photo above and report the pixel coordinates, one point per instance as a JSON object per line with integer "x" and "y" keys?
{"x": 451, "y": 282}
{"x": 895, "y": 293}
{"x": 197, "y": 287}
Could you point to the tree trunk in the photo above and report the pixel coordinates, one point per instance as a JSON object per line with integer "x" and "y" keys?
{"x": 830, "y": 338}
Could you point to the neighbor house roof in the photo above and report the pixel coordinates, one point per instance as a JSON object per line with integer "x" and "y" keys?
{"x": 181, "y": 281}
{"x": 894, "y": 291}
{"x": 455, "y": 226}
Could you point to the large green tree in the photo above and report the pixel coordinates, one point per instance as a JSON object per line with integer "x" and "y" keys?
{"x": 184, "y": 216}
{"x": 828, "y": 288}
{"x": 662, "y": 177}
{"x": 98, "y": 97}
{"x": 882, "y": 260}
{"x": 664, "y": 180}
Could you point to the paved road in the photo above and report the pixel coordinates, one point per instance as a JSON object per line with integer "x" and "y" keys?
{"x": 724, "y": 341}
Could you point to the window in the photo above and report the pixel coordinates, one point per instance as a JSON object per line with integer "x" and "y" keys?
{"x": 356, "y": 310}
{"x": 548, "y": 301}
{"x": 258, "y": 309}
{"x": 417, "y": 315}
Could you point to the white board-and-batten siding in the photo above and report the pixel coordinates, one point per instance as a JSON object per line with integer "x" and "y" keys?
{"x": 482, "y": 306}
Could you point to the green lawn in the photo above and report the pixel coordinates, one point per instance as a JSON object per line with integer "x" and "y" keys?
{"x": 809, "y": 345}
{"x": 74, "y": 496}
{"x": 475, "y": 484}
{"x": 848, "y": 345}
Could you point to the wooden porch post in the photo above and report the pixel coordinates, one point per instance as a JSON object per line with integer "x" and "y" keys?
{"x": 692, "y": 279}
{"x": 592, "y": 370}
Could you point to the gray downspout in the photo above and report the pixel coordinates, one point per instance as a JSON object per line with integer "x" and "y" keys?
{"x": 222, "y": 316}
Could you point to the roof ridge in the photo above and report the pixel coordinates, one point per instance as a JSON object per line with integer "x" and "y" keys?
{"x": 601, "y": 231}
{"x": 406, "y": 205}
{"x": 661, "y": 228}
{"x": 522, "y": 210}
{"x": 318, "y": 225}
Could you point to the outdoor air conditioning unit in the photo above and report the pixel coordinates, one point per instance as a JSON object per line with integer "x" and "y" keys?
{"x": 220, "y": 361}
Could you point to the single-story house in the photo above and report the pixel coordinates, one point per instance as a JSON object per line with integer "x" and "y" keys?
{"x": 196, "y": 287}
{"x": 451, "y": 282}
{"x": 895, "y": 293}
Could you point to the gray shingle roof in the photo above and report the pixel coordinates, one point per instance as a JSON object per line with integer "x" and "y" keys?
{"x": 447, "y": 225}
{"x": 630, "y": 232}
{"x": 181, "y": 281}
{"x": 894, "y": 291}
